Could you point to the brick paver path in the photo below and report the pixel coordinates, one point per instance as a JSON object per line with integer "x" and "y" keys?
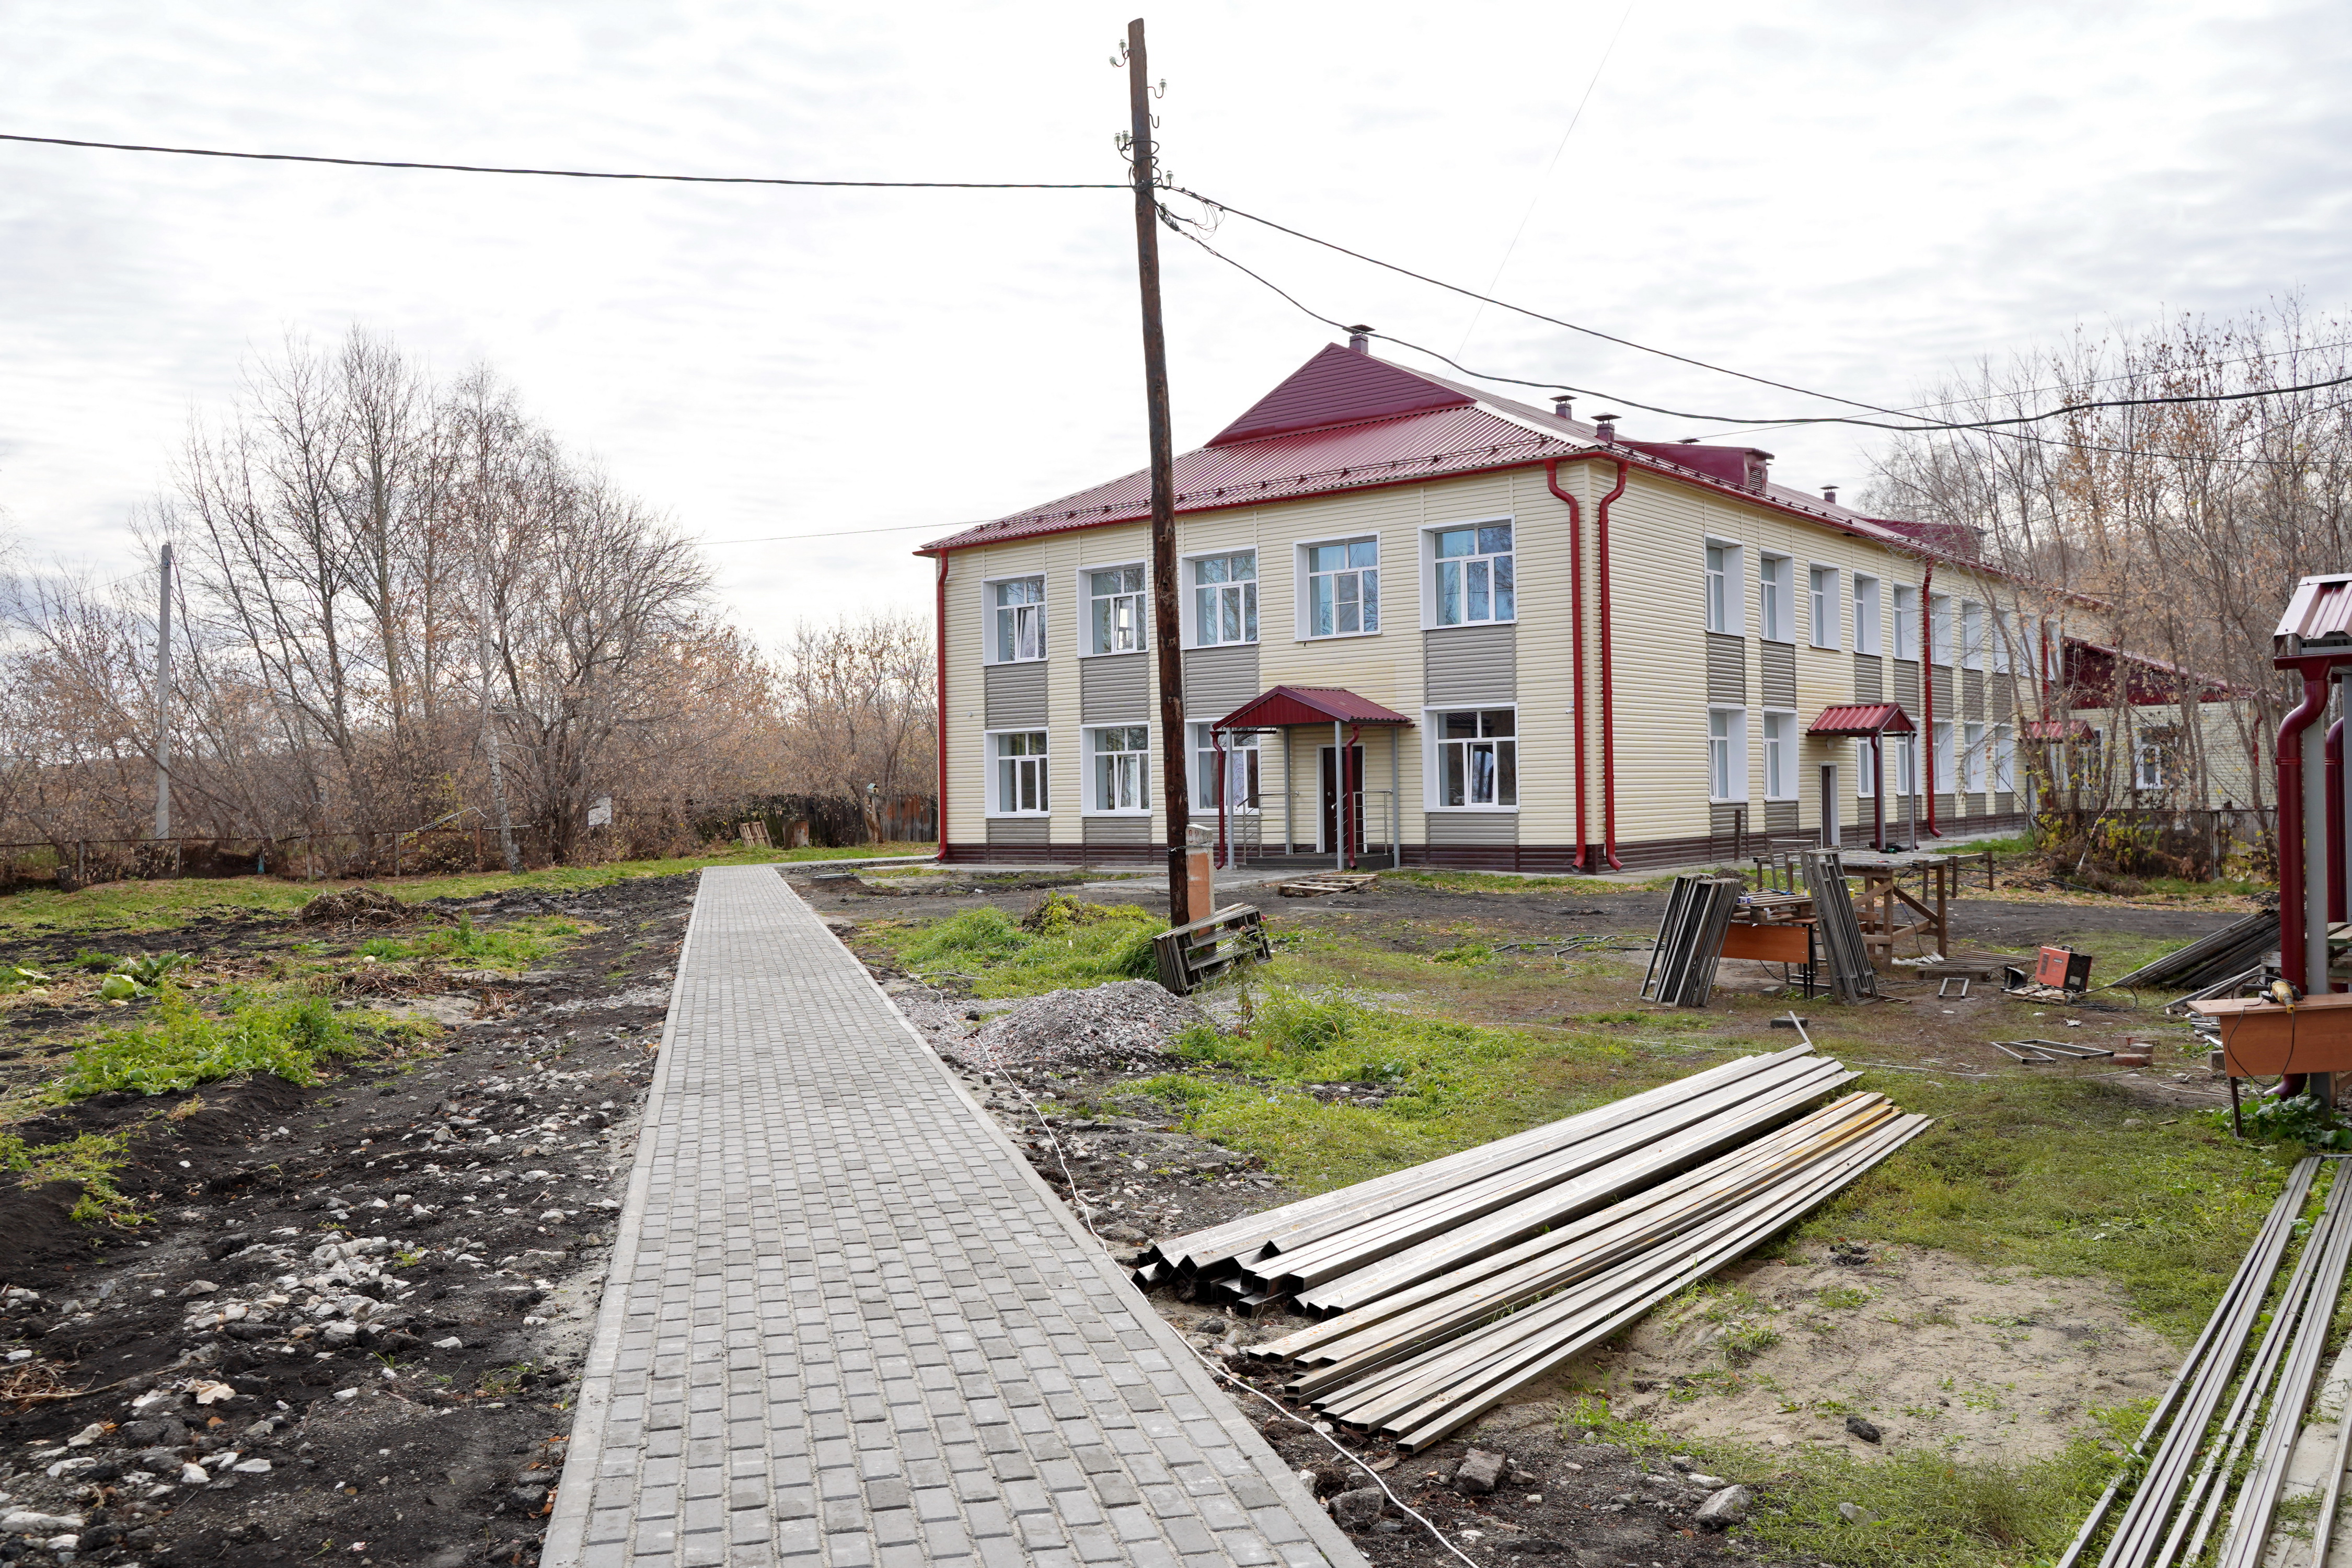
{"x": 846, "y": 1323}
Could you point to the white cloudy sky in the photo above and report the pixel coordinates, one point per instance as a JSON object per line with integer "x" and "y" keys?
{"x": 1842, "y": 196}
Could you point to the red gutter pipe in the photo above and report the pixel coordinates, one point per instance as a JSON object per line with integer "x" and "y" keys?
{"x": 2291, "y": 823}
{"x": 940, "y": 623}
{"x": 1608, "y": 712}
{"x": 1575, "y": 644}
{"x": 2335, "y": 798}
{"x": 1224, "y": 845}
{"x": 1928, "y": 690}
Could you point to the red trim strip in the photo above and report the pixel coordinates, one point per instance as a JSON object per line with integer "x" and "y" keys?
{"x": 1576, "y": 649}
{"x": 941, "y": 623}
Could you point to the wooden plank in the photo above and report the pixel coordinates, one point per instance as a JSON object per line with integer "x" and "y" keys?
{"x": 1777, "y": 942}
{"x": 2261, "y": 1039}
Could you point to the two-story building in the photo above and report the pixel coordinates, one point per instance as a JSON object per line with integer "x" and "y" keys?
{"x": 1423, "y": 623}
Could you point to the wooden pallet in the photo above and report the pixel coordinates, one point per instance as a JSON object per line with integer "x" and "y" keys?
{"x": 1191, "y": 954}
{"x": 1328, "y": 882}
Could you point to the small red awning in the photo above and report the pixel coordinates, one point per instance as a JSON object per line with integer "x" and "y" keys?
{"x": 1862, "y": 719}
{"x": 1308, "y": 705}
{"x": 2058, "y": 729}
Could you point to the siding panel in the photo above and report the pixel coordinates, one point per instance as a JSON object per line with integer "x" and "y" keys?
{"x": 1726, "y": 668}
{"x": 1972, "y": 694}
{"x": 1781, "y": 816}
{"x": 1470, "y": 664}
{"x": 1118, "y": 830}
{"x": 1942, "y": 675}
{"x": 1016, "y": 695}
{"x": 1219, "y": 680}
{"x": 1114, "y": 689}
{"x": 2003, "y": 695}
{"x": 1472, "y": 827}
{"x": 1906, "y": 687}
{"x": 1869, "y": 677}
{"x": 1018, "y": 829}
{"x": 1776, "y": 669}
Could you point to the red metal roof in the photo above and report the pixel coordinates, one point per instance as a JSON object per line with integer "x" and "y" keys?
{"x": 1308, "y": 705}
{"x": 1348, "y": 421}
{"x": 2058, "y": 729}
{"x": 1862, "y": 719}
{"x": 2320, "y": 612}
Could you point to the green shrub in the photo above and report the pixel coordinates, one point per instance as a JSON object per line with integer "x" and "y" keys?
{"x": 1063, "y": 945}
{"x": 179, "y": 1048}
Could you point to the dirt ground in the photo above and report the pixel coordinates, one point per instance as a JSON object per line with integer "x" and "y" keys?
{"x": 355, "y": 1323}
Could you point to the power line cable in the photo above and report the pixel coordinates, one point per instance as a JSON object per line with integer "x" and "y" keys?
{"x": 575, "y": 173}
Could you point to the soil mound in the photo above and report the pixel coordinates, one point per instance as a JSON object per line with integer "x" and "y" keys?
{"x": 357, "y": 906}
{"x": 1127, "y": 1022}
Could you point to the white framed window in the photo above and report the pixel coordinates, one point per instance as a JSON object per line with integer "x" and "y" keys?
{"x": 1779, "y": 755}
{"x": 1865, "y": 771}
{"x": 1774, "y": 612}
{"x": 1470, "y": 579}
{"x": 2147, "y": 767}
{"x": 1821, "y": 605}
{"x": 1224, "y": 599}
{"x": 1018, "y": 777}
{"x": 1939, "y": 629}
{"x": 1906, "y": 621}
{"x": 1942, "y": 779}
{"x": 1866, "y": 635}
{"x": 1018, "y": 610}
{"x": 1478, "y": 758}
{"x": 1236, "y": 789}
{"x": 1722, "y": 565}
{"x": 1904, "y": 751}
{"x": 1727, "y": 754}
{"x": 1341, "y": 588}
{"x": 1118, "y": 777}
{"x": 2004, "y": 637}
{"x": 1115, "y": 610}
{"x": 2004, "y": 759}
{"x": 1972, "y": 635}
{"x": 1973, "y": 758}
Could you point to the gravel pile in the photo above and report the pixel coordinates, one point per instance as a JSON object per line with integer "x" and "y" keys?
{"x": 1127, "y": 1022}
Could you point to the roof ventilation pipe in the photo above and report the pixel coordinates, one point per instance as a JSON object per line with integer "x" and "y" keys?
{"x": 1360, "y": 339}
{"x": 1606, "y": 425}
{"x": 1563, "y": 404}
{"x": 1829, "y": 494}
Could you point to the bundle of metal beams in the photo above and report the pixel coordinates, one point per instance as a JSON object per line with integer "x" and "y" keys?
{"x": 2215, "y": 956}
{"x": 2198, "y": 1462}
{"x": 1840, "y": 929}
{"x": 2031, "y": 1051}
{"x": 1690, "y": 940}
{"x": 1419, "y": 1362}
{"x": 1347, "y": 1247}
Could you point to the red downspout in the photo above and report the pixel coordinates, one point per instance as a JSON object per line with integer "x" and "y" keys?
{"x": 942, "y": 624}
{"x": 1608, "y": 713}
{"x": 2334, "y": 797}
{"x": 2291, "y": 823}
{"x": 1575, "y": 646}
{"x": 1356, "y": 828}
{"x": 1927, "y": 692}
{"x": 1224, "y": 845}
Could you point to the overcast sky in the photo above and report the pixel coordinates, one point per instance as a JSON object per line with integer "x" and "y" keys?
{"x": 1846, "y": 198}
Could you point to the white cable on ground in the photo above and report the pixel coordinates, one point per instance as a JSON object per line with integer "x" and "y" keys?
{"x": 1079, "y": 1205}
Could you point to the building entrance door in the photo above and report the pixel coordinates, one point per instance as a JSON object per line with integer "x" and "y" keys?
{"x": 1327, "y": 830}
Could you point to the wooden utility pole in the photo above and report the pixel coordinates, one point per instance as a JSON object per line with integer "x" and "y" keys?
{"x": 164, "y": 702}
{"x": 1174, "y": 796}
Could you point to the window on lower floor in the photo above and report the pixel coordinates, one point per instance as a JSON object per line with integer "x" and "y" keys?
{"x": 1478, "y": 757}
{"x": 1780, "y": 756}
{"x": 1727, "y": 754}
{"x": 1973, "y": 758}
{"x": 1940, "y": 780}
{"x": 2148, "y": 768}
{"x": 2004, "y": 759}
{"x": 1118, "y": 755}
{"x": 1235, "y": 787}
{"x": 1905, "y": 752}
{"x": 1021, "y": 771}
{"x": 1865, "y": 771}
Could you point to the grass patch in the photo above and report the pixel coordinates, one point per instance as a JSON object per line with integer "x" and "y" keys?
{"x": 518, "y": 944}
{"x": 1921, "y": 1508}
{"x": 132, "y": 907}
{"x": 89, "y": 1162}
{"x": 1065, "y": 945}
{"x": 178, "y": 1047}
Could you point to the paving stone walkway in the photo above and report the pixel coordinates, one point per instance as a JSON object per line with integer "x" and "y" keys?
{"x": 846, "y": 1324}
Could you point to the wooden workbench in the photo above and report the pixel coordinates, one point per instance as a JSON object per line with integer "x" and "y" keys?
{"x": 1888, "y": 912}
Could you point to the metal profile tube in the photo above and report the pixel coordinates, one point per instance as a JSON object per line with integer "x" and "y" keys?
{"x": 1401, "y": 1395}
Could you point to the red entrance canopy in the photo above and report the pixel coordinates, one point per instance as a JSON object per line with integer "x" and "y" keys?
{"x": 1308, "y": 705}
{"x": 2058, "y": 729}
{"x": 1862, "y": 719}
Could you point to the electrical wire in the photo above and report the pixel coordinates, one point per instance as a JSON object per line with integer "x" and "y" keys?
{"x": 573, "y": 174}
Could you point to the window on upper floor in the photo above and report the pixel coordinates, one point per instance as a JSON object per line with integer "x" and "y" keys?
{"x": 1020, "y": 767}
{"x": 1235, "y": 788}
{"x": 1718, "y": 588}
{"x": 1477, "y": 757}
{"x": 1116, "y": 600}
{"x": 1020, "y": 616}
{"x": 1773, "y": 609}
{"x": 1906, "y": 623}
{"x": 1822, "y": 606}
{"x": 1224, "y": 599}
{"x": 1972, "y": 635}
{"x": 1343, "y": 589}
{"x": 2003, "y": 639}
{"x": 1471, "y": 576}
{"x": 1939, "y": 629}
{"x": 1116, "y": 755}
{"x": 1867, "y": 637}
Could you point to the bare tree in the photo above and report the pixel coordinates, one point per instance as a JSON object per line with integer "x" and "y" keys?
{"x": 861, "y": 709}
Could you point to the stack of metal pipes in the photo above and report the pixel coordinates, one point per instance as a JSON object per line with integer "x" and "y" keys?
{"x": 2218, "y": 1440}
{"x": 1575, "y": 1229}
